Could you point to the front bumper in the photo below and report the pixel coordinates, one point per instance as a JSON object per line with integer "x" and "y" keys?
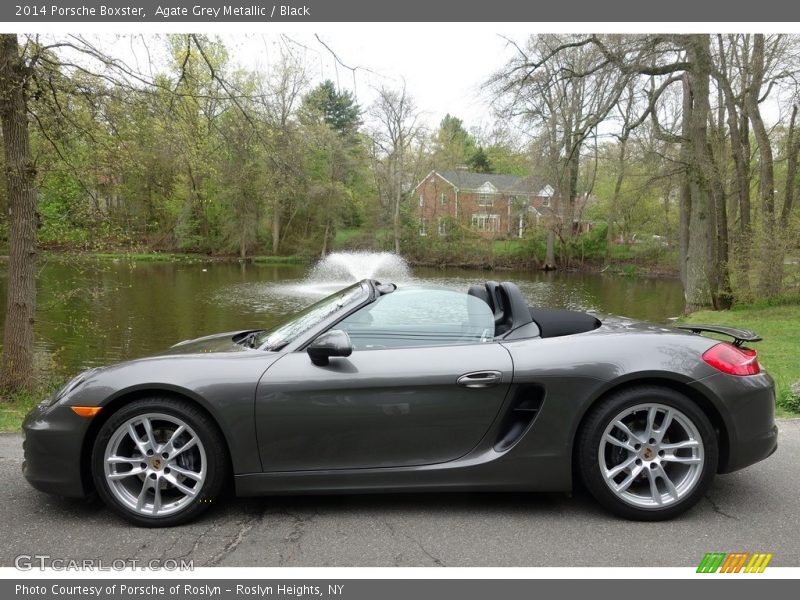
{"x": 748, "y": 411}
{"x": 53, "y": 448}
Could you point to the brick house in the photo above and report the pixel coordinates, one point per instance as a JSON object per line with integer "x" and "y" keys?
{"x": 498, "y": 206}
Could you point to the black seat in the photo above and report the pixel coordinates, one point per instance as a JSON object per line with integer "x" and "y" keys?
{"x": 506, "y": 302}
{"x": 552, "y": 322}
{"x": 489, "y": 294}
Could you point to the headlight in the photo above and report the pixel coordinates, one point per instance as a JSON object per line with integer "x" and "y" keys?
{"x": 72, "y": 385}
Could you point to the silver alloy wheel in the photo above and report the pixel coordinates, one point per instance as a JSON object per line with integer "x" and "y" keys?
{"x": 651, "y": 455}
{"x": 155, "y": 464}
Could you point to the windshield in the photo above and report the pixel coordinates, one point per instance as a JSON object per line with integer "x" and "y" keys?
{"x": 299, "y": 323}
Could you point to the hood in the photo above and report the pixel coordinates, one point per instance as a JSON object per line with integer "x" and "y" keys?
{"x": 218, "y": 342}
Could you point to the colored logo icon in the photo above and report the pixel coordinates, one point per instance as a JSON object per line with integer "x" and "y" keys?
{"x": 736, "y": 562}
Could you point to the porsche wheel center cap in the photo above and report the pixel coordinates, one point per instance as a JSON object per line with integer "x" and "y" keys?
{"x": 156, "y": 463}
{"x": 648, "y": 454}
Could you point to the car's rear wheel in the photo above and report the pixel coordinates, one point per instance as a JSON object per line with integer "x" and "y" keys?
{"x": 647, "y": 453}
{"x": 159, "y": 462}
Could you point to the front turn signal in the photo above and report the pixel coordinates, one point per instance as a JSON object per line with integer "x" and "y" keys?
{"x": 86, "y": 411}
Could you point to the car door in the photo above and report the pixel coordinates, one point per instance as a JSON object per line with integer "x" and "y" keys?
{"x": 423, "y": 384}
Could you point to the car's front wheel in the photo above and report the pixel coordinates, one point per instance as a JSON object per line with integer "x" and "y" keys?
{"x": 647, "y": 453}
{"x": 159, "y": 462}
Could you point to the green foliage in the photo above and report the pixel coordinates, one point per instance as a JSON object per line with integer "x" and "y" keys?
{"x": 184, "y": 166}
{"x": 507, "y": 160}
{"x": 480, "y": 162}
{"x": 453, "y": 145}
{"x": 790, "y": 402}
{"x": 593, "y": 243}
{"x": 337, "y": 109}
{"x": 14, "y": 406}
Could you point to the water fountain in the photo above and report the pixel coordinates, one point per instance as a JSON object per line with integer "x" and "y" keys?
{"x": 340, "y": 269}
{"x": 348, "y": 267}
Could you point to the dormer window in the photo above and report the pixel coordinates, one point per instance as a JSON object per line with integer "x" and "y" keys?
{"x": 486, "y": 194}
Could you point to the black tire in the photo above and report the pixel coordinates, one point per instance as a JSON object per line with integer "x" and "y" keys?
{"x": 213, "y": 443}
{"x": 590, "y": 438}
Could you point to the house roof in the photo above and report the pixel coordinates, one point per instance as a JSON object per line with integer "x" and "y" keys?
{"x": 542, "y": 211}
{"x": 466, "y": 180}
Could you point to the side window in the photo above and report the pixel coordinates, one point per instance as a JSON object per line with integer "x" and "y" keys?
{"x": 414, "y": 318}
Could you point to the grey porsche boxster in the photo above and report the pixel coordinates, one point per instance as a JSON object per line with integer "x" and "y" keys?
{"x": 376, "y": 388}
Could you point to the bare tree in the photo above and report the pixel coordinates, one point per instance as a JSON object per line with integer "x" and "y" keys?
{"x": 564, "y": 87}
{"x": 282, "y": 92}
{"x": 626, "y": 113}
{"x": 397, "y": 130}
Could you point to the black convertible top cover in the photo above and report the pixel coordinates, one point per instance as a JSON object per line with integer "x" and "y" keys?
{"x": 554, "y": 322}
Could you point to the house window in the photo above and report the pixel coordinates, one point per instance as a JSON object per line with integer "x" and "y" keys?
{"x": 484, "y": 222}
{"x": 546, "y": 201}
{"x": 442, "y": 227}
{"x": 485, "y": 200}
{"x": 421, "y": 200}
{"x": 443, "y": 198}
{"x": 423, "y": 227}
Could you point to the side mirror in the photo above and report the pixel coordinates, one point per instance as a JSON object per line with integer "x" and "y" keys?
{"x": 331, "y": 343}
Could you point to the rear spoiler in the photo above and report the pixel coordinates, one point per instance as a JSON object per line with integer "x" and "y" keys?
{"x": 740, "y": 336}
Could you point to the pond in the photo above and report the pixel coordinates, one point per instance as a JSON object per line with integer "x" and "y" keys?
{"x": 94, "y": 312}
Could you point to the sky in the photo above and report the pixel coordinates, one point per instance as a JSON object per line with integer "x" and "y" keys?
{"x": 444, "y": 66}
{"x": 443, "y": 69}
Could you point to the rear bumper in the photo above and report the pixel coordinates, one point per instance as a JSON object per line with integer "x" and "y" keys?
{"x": 748, "y": 410}
{"x": 752, "y": 450}
{"x": 52, "y": 449}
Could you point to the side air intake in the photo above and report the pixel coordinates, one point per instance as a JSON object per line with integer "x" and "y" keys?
{"x": 519, "y": 417}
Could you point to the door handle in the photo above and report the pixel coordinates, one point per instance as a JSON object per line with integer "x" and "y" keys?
{"x": 480, "y": 379}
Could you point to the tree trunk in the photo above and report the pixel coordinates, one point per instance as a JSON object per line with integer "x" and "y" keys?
{"x": 792, "y": 152}
{"x": 398, "y": 195}
{"x": 740, "y": 152}
{"x": 276, "y": 225}
{"x": 17, "y": 358}
{"x": 550, "y": 251}
{"x": 685, "y": 199}
{"x": 612, "y": 203}
{"x": 700, "y": 275}
{"x": 325, "y": 239}
{"x": 771, "y": 249}
{"x": 721, "y": 287}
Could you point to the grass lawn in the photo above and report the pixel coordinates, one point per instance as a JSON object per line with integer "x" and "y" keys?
{"x": 194, "y": 258}
{"x": 510, "y": 249}
{"x": 14, "y": 409}
{"x": 280, "y": 260}
{"x": 780, "y": 349}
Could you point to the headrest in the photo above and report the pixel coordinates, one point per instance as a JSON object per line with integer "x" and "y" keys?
{"x": 496, "y": 302}
{"x": 480, "y": 292}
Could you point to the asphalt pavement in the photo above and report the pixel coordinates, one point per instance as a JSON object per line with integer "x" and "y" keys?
{"x": 756, "y": 509}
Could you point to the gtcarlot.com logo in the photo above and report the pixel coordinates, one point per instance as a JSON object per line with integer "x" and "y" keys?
{"x": 736, "y": 562}
{"x": 41, "y": 562}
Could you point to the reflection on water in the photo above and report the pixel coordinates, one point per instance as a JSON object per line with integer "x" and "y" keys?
{"x": 97, "y": 312}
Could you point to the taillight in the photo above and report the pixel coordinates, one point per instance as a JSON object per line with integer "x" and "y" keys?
{"x": 732, "y": 360}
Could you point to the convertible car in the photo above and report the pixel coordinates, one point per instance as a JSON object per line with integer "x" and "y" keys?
{"x": 380, "y": 389}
